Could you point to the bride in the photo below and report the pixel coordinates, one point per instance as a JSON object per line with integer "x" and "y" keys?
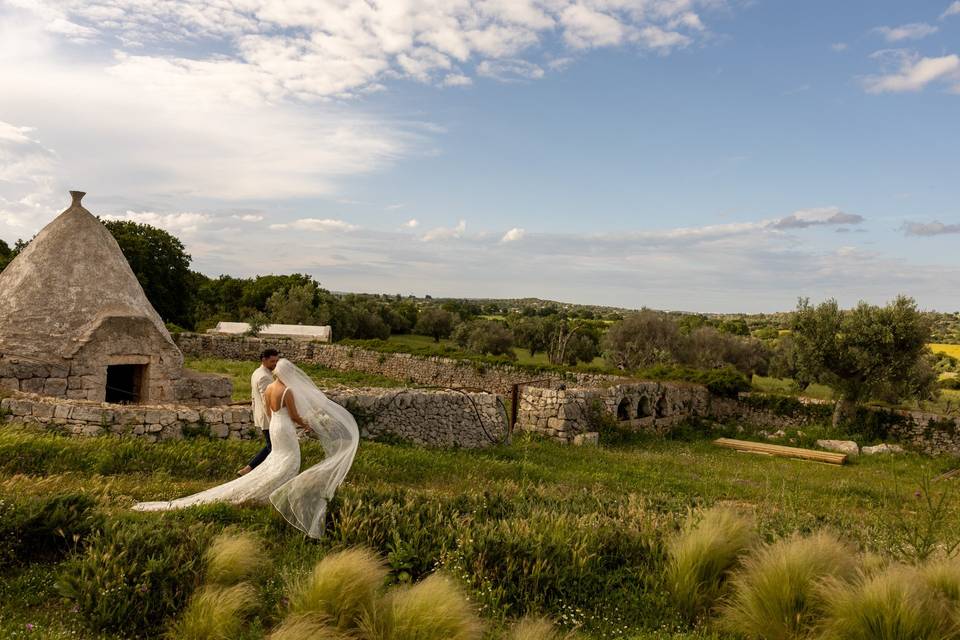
{"x": 292, "y": 399}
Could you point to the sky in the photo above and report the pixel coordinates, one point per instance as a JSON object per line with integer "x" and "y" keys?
{"x": 697, "y": 155}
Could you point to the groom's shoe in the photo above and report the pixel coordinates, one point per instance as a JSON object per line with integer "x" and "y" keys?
{"x": 244, "y": 471}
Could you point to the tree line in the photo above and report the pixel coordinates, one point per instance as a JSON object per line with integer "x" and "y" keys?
{"x": 868, "y": 352}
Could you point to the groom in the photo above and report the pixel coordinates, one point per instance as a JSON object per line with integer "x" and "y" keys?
{"x": 259, "y": 382}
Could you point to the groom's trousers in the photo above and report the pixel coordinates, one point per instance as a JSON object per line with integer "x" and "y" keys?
{"x": 263, "y": 453}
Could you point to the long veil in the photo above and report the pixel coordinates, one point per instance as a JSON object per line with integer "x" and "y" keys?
{"x": 303, "y": 500}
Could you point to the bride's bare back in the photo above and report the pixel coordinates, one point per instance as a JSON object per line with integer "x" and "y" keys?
{"x": 276, "y": 400}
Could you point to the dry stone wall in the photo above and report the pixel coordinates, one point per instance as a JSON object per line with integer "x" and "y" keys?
{"x": 400, "y": 366}
{"x": 429, "y": 418}
{"x": 563, "y": 414}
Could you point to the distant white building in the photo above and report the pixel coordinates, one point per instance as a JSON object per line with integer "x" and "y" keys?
{"x": 299, "y": 331}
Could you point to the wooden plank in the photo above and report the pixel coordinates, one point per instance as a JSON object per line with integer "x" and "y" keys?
{"x": 946, "y": 476}
{"x": 828, "y": 457}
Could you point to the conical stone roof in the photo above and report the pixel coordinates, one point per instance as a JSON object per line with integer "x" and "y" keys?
{"x": 70, "y": 278}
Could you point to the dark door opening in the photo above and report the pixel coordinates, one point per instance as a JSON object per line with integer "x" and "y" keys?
{"x": 643, "y": 408}
{"x": 125, "y": 383}
{"x": 623, "y": 410}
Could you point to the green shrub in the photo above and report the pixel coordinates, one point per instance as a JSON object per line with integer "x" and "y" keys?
{"x": 702, "y": 556}
{"x": 134, "y": 574}
{"x": 775, "y": 595}
{"x": 434, "y": 609}
{"x": 214, "y": 613}
{"x": 411, "y": 530}
{"x": 895, "y": 604}
{"x": 556, "y": 561}
{"x": 45, "y": 528}
{"x": 341, "y": 588}
{"x": 234, "y": 557}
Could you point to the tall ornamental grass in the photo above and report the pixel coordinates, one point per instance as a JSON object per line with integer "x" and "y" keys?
{"x": 895, "y": 604}
{"x": 776, "y": 596}
{"x": 701, "y": 557}
{"x": 434, "y": 609}
{"x": 234, "y": 557}
{"x": 214, "y": 613}
{"x": 342, "y": 588}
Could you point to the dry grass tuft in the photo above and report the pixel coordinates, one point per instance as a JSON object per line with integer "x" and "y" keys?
{"x": 341, "y": 588}
{"x": 235, "y": 557}
{"x": 434, "y": 609}
{"x": 702, "y": 556}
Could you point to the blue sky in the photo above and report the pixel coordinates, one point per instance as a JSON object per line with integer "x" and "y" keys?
{"x": 705, "y": 155}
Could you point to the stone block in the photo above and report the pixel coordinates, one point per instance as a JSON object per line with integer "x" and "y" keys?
{"x": 62, "y": 411}
{"x": 32, "y": 385}
{"x": 219, "y": 430}
{"x": 91, "y": 430}
{"x": 154, "y": 427}
{"x": 87, "y": 414}
{"x": 848, "y": 447}
{"x": 21, "y": 408}
{"x": 55, "y": 387}
{"x": 43, "y": 410}
{"x": 212, "y": 416}
{"x": 9, "y": 384}
{"x": 168, "y": 417}
{"x": 882, "y": 448}
{"x": 188, "y": 415}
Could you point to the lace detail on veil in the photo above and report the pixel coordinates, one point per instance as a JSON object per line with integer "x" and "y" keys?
{"x": 303, "y": 500}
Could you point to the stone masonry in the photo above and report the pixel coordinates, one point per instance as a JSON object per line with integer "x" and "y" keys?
{"x": 429, "y": 418}
{"x": 562, "y": 414}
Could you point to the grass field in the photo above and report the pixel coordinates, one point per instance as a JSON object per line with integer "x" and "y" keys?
{"x": 576, "y": 533}
{"x": 240, "y": 373}
{"x": 425, "y": 345}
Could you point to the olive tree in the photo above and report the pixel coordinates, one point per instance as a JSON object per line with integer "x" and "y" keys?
{"x": 642, "y": 339}
{"x": 866, "y": 352}
{"x": 436, "y": 323}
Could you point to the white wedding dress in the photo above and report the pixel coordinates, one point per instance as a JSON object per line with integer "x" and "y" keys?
{"x": 281, "y": 466}
{"x": 301, "y": 498}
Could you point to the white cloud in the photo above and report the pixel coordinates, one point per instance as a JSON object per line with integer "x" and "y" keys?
{"x": 912, "y": 31}
{"x": 509, "y": 70}
{"x": 914, "y": 74}
{"x": 248, "y": 217}
{"x": 412, "y": 223}
{"x": 173, "y": 222}
{"x": 822, "y": 216}
{"x": 316, "y": 224}
{"x": 457, "y": 80}
{"x": 513, "y": 235}
{"x": 839, "y": 46}
{"x": 446, "y": 233}
{"x": 585, "y": 27}
{"x": 935, "y": 228}
{"x": 952, "y": 10}
{"x": 336, "y": 48}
